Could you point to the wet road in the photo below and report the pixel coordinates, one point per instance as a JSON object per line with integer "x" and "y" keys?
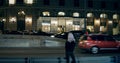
{"x": 30, "y": 46}
{"x": 49, "y": 52}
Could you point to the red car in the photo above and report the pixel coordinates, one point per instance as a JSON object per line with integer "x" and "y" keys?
{"x": 96, "y": 42}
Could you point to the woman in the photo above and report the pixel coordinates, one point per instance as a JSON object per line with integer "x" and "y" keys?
{"x": 69, "y": 48}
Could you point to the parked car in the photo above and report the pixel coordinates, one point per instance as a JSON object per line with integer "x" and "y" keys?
{"x": 60, "y": 35}
{"x": 97, "y": 42}
{"x": 76, "y": 33}
{"x": 42, "y": 33}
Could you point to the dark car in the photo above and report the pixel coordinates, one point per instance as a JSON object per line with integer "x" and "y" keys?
{"x": 42, "y": 33}
{"x": 76, "y": 33}
{"x": 97, "y": 42}
{"x": 60, "y": 35}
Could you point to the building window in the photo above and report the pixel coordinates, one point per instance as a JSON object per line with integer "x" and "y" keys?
{"x": 28, "y": 19}
{"x": 115, "y": 16}
{"x": 116, "y": 5}
{"x": 90, "y": 15}
{"x": 61, "y": 13}
{"x": 76, "y": 3}
{"x": 46, "y": 13}
{"x": 103, "y": 4}
{"x": 103, "y": 15}
{"x": 46, "y": 2}
{"x": 12, "y": 19}
{"x": 90, "y": 3}
{"x": 28, "y": 1}
{"x": 21, "y": 13}
{"x": 76, "y": 14}
{"x": 61, "y": 2}
{"x": 12, "y": 2}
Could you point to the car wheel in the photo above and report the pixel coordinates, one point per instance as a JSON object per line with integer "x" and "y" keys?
{"x": 94, "y": 50}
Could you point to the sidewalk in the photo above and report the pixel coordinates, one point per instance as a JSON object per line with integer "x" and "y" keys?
{"x": 56, "y": 60}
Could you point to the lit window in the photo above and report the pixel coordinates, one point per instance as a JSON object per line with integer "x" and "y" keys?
{"x": 115, "y": 16}
{"x": 21, "y": 13}
{"x": 110, "y": 22}
{"x": 12, "y": 19}
{"x": 90, "y": 15}
{"x": 103, "y": 16}
{"x": 3, "y": 19}
{"x": 12, "y": 2}
{"x": 28, "y": 19}
{"x": 76, "y": 14}
{"x": 46, "y": 13}
{"x": 28, "y": 1}
{"x": 61, "y": 13}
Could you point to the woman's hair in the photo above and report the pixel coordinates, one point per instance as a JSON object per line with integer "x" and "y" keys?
{"x": 70, "y": 37}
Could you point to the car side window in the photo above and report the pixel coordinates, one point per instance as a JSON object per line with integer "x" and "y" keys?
{"x": 97, "y": 37}
{"x": 109, "y": 38}
{"x": 100, "y": 38}
{"x": 94, "y": 37}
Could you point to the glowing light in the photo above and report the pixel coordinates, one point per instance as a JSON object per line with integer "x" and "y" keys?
{"x": 21, "y": 13}
{"x": 90, "y": 15}
{"x": 28, "y": 20}
{"x": 28, "y": 1}
{"x": 3, "y": 19}
{"x": 46, "y": 13}
{"x": 103, "y": 15}
{"x": 110, "y": 22}
{"x": 115, "y": 16}
{"x": 12, "y": 2}
{"x": 12, "y": 19}
{"x": 76, "y": 14}
{"x": 61, "y": 13}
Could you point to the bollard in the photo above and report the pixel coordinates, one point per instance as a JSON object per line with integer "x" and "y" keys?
{"x": 26, "y": 60}
{"x": 59, "y": 60}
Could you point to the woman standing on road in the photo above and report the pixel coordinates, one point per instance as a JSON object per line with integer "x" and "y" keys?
{"x": 69, "y": 48}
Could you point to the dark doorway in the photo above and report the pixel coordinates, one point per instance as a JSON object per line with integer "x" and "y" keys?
{"x": 1, "y": 25}
{"x": 20, "y": 25}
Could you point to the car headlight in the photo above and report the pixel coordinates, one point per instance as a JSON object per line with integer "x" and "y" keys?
{"x": 52, "y": 36}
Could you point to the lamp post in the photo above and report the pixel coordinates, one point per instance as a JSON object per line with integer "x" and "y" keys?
{"x": 85, "y": 23}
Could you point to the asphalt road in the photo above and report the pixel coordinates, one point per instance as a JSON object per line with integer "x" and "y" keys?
{"x": 49, "y": 52}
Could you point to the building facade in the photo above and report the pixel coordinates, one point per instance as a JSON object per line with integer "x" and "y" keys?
{"x": 60, "y": 15}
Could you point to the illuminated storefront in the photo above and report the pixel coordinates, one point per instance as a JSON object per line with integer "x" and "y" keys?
{"x": 60, "y": 24}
